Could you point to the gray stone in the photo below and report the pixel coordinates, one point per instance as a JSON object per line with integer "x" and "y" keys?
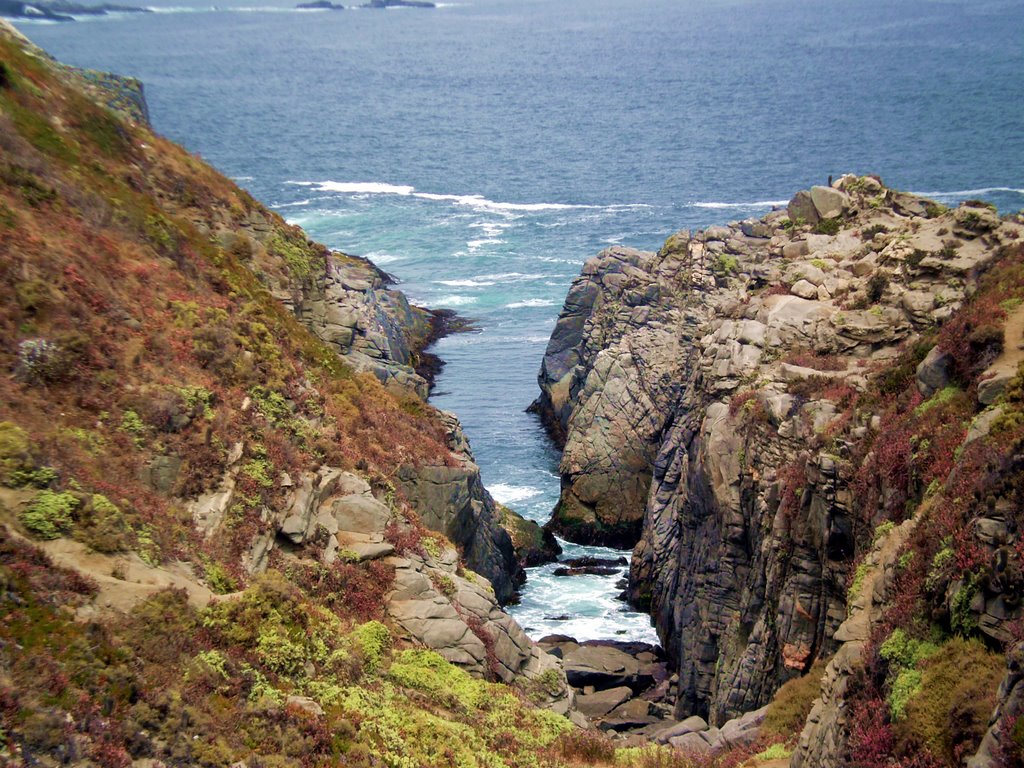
{"x": 694, "y": 742}
{"x": 604, "y": 667}
{"x": 933, "y": 372}
{"x": 692, "y": 724}
{"x": 993, "y": 382}
{"x": 828, "y": 202}
{"x": 362, "y": 514}
{"x": 801, "y": 209}
{"x": 306, "y": 704}
{"x": 804, "y": 289}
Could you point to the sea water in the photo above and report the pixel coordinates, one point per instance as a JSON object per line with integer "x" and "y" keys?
{"x": 483, "y": 150}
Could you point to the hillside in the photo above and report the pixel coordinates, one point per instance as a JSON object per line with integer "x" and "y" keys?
{"x": 231, "y": 528}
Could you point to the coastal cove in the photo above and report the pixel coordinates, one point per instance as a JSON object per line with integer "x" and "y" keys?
{"x": 728, "y": 297}
{"x": 483, "y": 180}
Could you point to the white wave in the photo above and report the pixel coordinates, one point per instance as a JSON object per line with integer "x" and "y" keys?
{"x": 243, "y": 178}
{"x": 478, "y": 202}
{"x": 455, "y": 300}
{"x": 966, "y": 193}
{"x": 531, "y": 303}
{"x": 476, "y": 245}
{"x": 465, "y": 283}
{"x": 509, "y": 494}
{"x": 512, "y": 277}
{"x": 756, "y": 204}
{"x": 356, "y": 187}
{"x": 307, "y": 201}
{"x": 380, "y": 257}
{"x": 491, "y": 228}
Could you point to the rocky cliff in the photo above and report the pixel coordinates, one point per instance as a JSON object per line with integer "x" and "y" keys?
{"x": 738, "y": 401}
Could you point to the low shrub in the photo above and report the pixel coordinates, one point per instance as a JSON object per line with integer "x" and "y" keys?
{"x": 50, "y": 515}
{"x": 792, "y": 703}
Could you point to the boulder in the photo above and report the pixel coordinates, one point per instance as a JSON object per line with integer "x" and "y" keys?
{"x": 694, "y": 723}
{"x": 694, "y": 742}
{"x": 802, "y": 209}
{"x": 600, "y": 703}
{"x": 361, "y": 514}
{"x": 742, "y": 730}
{"x": 604, "y": 667}
{"x": 828, "y": 202}
{"x": 933, "y": 372}
{"x": 804, "y": 289}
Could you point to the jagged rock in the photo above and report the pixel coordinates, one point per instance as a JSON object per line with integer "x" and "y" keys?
{"x": 533, "y": 544}
{"x": 822, "y": 741}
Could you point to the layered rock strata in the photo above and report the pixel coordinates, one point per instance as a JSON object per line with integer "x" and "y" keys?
{"x": 696, "y": 391}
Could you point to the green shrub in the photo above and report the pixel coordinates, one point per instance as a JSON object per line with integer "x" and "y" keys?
{"x": 372, "y": 641}
{"x": 774, "y": 752}
{"x": 905, "y": 686}
{"x": 132, "y": 424}
{"x": 828, "y": 226}
{"x": 103, "y": 527}
{"x": 15, "y": 455}
{"x": 902, "y": 650}
{"x": 218, "y": 578}
{"x": 49, "y": 516}
{"x": 949, "y": 710}
{"x": 961, "y": 618}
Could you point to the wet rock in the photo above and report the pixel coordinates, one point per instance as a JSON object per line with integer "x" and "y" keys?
{"x": 590, "y": 570}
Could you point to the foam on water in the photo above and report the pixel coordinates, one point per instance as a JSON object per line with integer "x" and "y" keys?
{"x": 456, "y": 301}
{"x": 531, "y": 303}
{"x": 584, "y": 607}
{"x": 510, "y": 494}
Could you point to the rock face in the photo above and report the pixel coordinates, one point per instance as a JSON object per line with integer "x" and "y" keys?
{"x": 377, "y": 330}
{"x": 453, "y": 500}
{"x": 695, "y": 391}
{"x": 822, "y": 742}
{"x": 351, "y": 308}
{"x": 608, "y": 379}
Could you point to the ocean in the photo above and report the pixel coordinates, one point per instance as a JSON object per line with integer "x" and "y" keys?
{"x": 483, "y": 150}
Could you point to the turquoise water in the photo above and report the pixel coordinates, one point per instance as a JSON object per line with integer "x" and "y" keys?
{"x": 484, "y": 150}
